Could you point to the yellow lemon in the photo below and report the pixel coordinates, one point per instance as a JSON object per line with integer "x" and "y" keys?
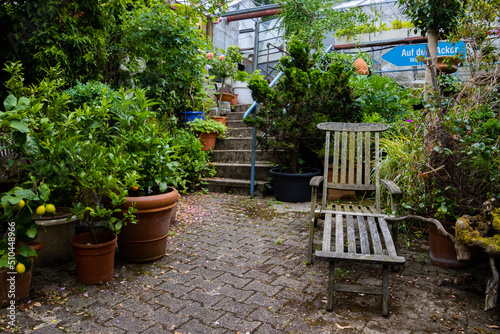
{"x": 50, "y": 208}
{"x": 20, "y": 268}
{"x": 40, "y": 211}
{"x": 20, "y": 205}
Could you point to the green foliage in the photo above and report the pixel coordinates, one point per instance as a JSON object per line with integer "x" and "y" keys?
{"x": 304, "y": 97}
{"x": 383, "y": 96}
{"x": 193, "y": 162}
{"x": 89, "y": 93}
{"x": 309, "y": 20}
{"x": 225, "y": 65}
{"x": 169, "y": 44}
{"x": 372, "y": 26}
{"x": 436, "y": 15}
{"x": 91, "y": 156}
{"x": 82, "y": 36}
{"x": 207, "y": 126}
{"x": 106, "y": 41}
{"x": 476, "y": 26}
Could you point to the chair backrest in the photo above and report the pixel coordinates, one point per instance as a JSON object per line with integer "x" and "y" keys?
{"x": 351, "y": 150}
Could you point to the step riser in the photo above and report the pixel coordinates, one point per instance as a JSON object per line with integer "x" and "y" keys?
{"x": 242, "y": 172}
{"x": 240, "y": 132}
{"x": 238, "y": 189}
{"x": 240, "y": 156}
{"x": 233, "y": 144}
{"x": 236, "y": 124}
{"x": 234, "y": 116}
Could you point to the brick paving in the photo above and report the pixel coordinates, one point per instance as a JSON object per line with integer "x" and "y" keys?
{"x": 237, "y": 265}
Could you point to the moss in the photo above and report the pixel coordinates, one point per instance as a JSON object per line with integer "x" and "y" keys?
{"x": 480, "y": 231}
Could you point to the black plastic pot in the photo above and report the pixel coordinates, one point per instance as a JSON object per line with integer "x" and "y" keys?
{"x": 293, "y": 187}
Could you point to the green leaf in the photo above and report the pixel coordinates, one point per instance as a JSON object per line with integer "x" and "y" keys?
{"x": 32, "y": 231}
{"x": 23, "y": 103}
{"x": 19, "y": 126}
{"x": 10, "y": 102}
{"x": 26, "y": 251}
{"x": 44, "y": 192}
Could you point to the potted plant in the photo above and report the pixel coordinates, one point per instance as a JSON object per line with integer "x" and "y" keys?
{"x": 240, "y": 88}
{"x": 158, "y": 171}
{"x": 17, "y": 246}
{"x": 223, "y": 67}
{"x": 208, "y": 130}
{"x": 30, "y": 124}
{"x": 305, "y": 96}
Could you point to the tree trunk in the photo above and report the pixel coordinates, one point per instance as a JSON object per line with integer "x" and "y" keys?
{"x": 432, "y": 42}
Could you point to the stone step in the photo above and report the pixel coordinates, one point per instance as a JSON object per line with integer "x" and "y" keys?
{"x": 243, "y": 171}
{"x": 240, "y": 156}
{"x": 236, "y": 186}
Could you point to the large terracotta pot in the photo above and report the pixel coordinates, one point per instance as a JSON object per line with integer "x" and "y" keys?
{"x": 21, "y": 283}
{"x": 146, "y": 241}
{"x": 225, "y": 97}
{"x": 58, "y": 231}
{"x": 442, "y": 250}
{"x": 94, "y": 262}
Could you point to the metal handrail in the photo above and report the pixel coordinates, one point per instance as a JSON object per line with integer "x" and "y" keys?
{"x": 254, "y": 108}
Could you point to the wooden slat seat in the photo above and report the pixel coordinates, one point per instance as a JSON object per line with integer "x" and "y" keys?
{"x": 354, "y": 232}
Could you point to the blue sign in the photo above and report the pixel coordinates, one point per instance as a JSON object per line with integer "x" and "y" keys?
{"x": 406, "y": 55}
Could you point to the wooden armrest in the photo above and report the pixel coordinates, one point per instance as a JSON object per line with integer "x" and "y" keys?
{"x": 316, "y": 181}
{"x": 391, "y": 187}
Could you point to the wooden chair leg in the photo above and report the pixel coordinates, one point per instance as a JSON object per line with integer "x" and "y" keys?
{"x": 310, "y": 247}
{"x": 385, "y": 290}
{"x": 331, "y": 287}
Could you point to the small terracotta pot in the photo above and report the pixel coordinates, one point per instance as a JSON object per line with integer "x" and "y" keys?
{"x": 234, "y": 101}
{"x": 21, "y": 282}
{"x": 208, "y": 141}
{"x": 94, "y": 262}
{"x": 220, "y": 119}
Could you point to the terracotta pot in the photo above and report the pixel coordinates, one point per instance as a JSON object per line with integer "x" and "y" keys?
{"x": 208, "y": 140}
{"x": 20, "y": 287}
{"x": 234, "y": 101}
{"x": 219, "y": 119}
{"x": 94, "y": 262}
{"x": 225, "y": 97}
{"x": 445, "y": 68}
{"x": 56, "y": 237}
{"x": 442, "y": 250}
{"x": 146, "y": 241}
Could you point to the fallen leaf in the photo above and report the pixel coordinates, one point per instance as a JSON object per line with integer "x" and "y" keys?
{"x": 37, "y": 304}
{"x": 343, "y": 327}
{"x": 492, "y": 326}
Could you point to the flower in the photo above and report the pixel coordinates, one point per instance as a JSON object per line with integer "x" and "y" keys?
{"x": 210, "y": 55}
{"x": 221, "y": 57}
{"x": 409, "y": 120}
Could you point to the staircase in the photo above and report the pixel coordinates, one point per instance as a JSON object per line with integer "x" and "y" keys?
{"x": 232, "y": 159}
